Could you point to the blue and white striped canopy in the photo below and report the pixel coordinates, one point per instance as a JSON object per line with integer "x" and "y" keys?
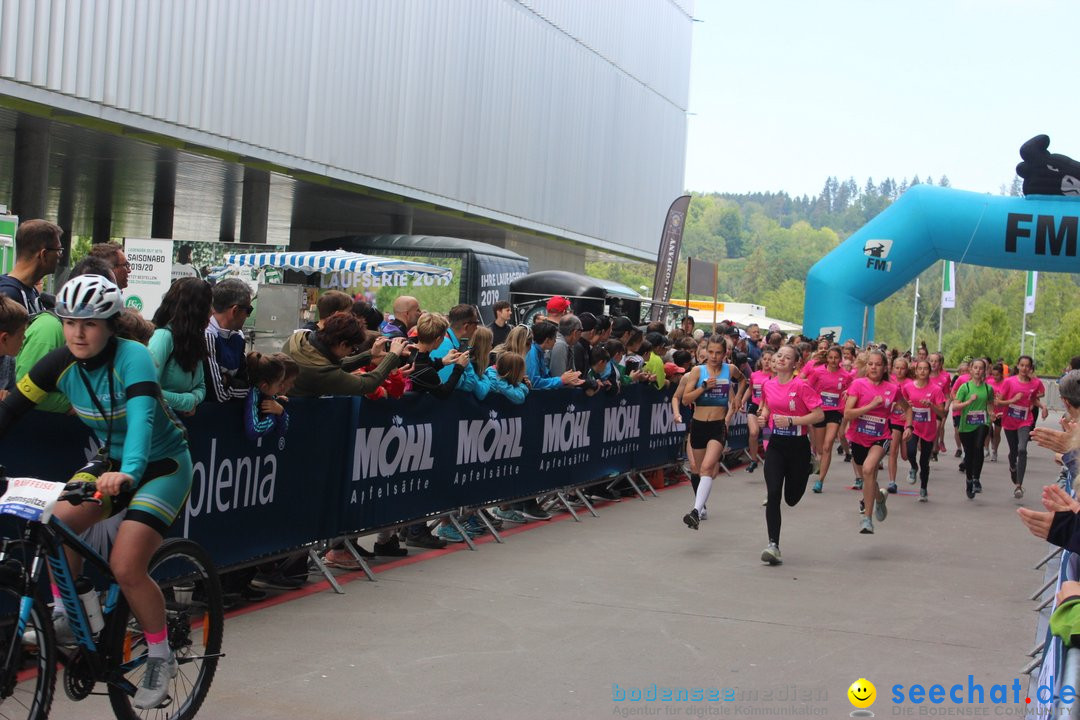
{"x": 335, "y": 261}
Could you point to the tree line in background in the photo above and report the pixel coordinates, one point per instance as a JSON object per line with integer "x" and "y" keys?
{"x": 765, "y": 243}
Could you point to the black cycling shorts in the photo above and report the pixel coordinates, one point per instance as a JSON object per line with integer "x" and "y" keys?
{"x": 702, "y": 431}
{"x": 859, "y": 452}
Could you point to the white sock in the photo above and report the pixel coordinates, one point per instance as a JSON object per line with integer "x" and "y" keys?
{"x": 58, "y": 602}
{"x": 702, "y": 497}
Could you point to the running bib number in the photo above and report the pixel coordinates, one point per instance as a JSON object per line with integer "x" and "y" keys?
{"x": 830, "y": 400}
{"x": 720, "y": 391}
{"x": 789, "y": 431}
{"x": 976, "y": 417}
{"x": 1017, "y": 412}
{"x": 757, "y": 391}
{"x": 30, "y": 499}
{"x": 920, "y": 415}
{"x": 871, "y": 425}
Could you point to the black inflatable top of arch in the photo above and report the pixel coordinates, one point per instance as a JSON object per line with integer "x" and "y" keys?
{"x": 1047, "y": 173}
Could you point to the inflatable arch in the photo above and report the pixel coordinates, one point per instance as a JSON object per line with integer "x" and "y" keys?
{"x": 927, "y": 224}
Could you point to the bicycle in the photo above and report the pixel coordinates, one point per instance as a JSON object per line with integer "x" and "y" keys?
{"x": 116, "y": 654}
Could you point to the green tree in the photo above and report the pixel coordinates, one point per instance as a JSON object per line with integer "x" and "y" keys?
{"x": 987, "y": 334}
{"x": 786, "y": 301}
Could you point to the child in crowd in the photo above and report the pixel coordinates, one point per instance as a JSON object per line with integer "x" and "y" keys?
{"x": 13, "y": 321}
{"x": 270, "y": 378}
{"x": 602, "y": 375}
{"x": 507, "y": 377}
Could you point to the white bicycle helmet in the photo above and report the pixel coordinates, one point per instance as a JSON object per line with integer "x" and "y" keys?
{"x": 89, "y": 297}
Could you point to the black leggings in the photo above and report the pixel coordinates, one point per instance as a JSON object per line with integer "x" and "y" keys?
{"x": 787, "y": 468}
{"x": 1018, "y": 442}
{"x": 973, "y": 451}
{"x": 926, "y": 449}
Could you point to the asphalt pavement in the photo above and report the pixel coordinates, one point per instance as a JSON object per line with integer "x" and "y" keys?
{"x": 577, "y": 619}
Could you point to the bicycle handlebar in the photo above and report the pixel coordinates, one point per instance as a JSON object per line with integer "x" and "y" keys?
{"x": 79, "y": 491}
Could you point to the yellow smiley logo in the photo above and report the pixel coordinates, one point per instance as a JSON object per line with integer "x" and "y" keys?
{"x": 862, "y": 693}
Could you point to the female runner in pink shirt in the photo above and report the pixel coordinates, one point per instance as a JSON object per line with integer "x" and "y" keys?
{"x": 1019, "y": 401}
{"x": 757, "y": 379}
{"x": 869, "y": 401}
{"x": 790, "y": 406}
{"x": 897, "y": 419}
{"x": 830, "y": 381}
{"x": 926, "y": 405}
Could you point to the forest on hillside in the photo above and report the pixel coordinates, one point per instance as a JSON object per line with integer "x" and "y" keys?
{"x": 764, "y": 244}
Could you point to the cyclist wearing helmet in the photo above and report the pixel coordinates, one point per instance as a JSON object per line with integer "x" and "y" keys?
{"x": 144, "y": 464}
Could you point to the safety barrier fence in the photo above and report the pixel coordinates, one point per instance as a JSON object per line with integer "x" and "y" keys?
{"x": 347, "y": 466}
{"x": 1054, "y": 665}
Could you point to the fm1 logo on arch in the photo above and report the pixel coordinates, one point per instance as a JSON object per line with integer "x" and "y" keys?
{"x": 876, "y": 252}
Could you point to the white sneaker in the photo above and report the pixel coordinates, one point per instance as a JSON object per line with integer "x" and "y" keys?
{"x": 771, "y": 555}
{"x": 154, "y": 686}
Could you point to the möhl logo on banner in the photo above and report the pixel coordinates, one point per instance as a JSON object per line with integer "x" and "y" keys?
{"x": 484, "y": 443}
{"x": 663, "y": 430}
{"x": 383, "y": 452}
{"x": 622, "y": 428}
{"x": 392, "y": 452}
{"x": 565, "y": 433}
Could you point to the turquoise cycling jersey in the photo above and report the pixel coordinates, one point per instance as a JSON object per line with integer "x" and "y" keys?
{"x": 143, "y": 428}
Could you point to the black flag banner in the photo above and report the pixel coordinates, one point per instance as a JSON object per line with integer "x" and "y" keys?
{"x": 700, "y": 278}
{"x": 667, "y": 258}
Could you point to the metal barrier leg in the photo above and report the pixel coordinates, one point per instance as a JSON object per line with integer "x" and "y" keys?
{"x": 566, "y": 504}
{"x": 1045, "y": 603}
{"x": 630, "y": 479}
{"x": 360, "y": 559}
{"x": 1048, "y": 558}
{"x": 725, "y": 469}
{"x": 1032, "y": 666}
{"x": 1044, "y": 588}
{"x": 490, "y": 526}
{"x": 648, "y": 485}
{"x": 314, "y": 557}
{"x": 581, "y": 496}
{"x": 458, "y": 526}
{"x": 1037, "y": 649}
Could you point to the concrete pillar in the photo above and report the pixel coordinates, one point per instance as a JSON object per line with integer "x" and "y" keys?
{"x": 65, "y": 211}
{"x": 227, "y": 229}
{"x": 103, "y": 197}
{"x": 161, "y": 221}
{"x": 255, "y": 207}
{"x": 401, "y": 223}
{"x": 30, "y": 184}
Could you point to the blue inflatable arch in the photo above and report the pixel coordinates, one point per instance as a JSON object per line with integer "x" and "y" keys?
{"x": 927, "y": 224}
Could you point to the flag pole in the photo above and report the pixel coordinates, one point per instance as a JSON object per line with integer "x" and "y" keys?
{"x": 1023, "y": 331}
{"x": 941, "y": 308}
{"x": 715, "y": 292}
{"x": 915, "y": 316}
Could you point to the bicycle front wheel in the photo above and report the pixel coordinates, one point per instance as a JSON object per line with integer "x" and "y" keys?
{"x": 28, "y": 674}
{"x": 195, "y": 620}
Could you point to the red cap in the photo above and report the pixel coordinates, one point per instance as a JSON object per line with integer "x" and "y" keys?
{"x": 673, "y": 369}
{"x": 558, "y": 304}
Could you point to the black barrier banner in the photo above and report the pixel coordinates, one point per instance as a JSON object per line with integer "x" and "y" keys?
{"x": 248, "y": 500}
{"x": 738, "y": 435}
{"x": 348, "y": 465}
{"x": 251, "y": 499}
{"x": 419, "y": 456}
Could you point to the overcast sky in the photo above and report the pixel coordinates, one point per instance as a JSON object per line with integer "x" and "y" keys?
{"x": 784, "y": 93}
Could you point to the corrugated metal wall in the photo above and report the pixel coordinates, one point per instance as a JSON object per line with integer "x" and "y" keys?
{"x": 567, "y": 114}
